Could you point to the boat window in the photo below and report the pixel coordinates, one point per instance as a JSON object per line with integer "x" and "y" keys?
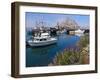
{"x": 37, "y": 39}
{"x": 40, "y": 39}
{"x": 43, "y": 39}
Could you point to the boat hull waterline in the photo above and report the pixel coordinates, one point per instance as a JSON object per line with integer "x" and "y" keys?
{"x": 42, "y": 43}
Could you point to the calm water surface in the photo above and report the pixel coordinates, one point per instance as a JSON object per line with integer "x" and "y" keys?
{"x": 42, "y": 56}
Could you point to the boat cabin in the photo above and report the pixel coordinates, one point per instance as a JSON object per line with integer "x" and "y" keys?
{"x": 43, "y": 37}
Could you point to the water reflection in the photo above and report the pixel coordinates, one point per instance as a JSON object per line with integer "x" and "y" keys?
{"x": 80, "y": 34}
{"x": 42, "y": 50}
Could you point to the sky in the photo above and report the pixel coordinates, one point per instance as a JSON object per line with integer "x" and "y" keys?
{"x": 51, "y": 20}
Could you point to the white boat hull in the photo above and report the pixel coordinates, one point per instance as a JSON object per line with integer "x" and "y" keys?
{"x": 42, "y": 43}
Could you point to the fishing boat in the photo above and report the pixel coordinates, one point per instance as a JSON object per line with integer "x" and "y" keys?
{"x": 79, "y": 31}
{"x": 42, "y": 40}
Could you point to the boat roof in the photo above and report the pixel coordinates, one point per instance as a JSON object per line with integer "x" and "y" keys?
{"x": 44, "y": 34}
{"x": 42, "y": 37}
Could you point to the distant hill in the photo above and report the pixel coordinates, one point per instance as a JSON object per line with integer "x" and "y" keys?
{"x": 68, "y": 23}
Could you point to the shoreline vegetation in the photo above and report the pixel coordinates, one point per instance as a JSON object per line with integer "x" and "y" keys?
{"x": 78, "y": 55}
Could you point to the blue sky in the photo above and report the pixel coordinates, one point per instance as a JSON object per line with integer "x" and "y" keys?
{"x": 52, "y": 19}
